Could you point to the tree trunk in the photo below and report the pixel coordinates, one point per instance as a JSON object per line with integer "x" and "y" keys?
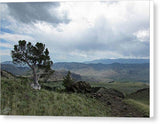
{"x": 35, "y": 84}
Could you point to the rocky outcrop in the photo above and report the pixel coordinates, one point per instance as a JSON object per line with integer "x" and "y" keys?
{"x": 105, "y": 94}
{"x": 80, "y": 87}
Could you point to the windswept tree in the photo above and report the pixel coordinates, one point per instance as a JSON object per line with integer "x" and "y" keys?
{"x": 36, "y": 57}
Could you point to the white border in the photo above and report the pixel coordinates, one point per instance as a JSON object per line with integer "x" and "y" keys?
{"x": 151, "y": 60}
{"x": 152, "y": 92}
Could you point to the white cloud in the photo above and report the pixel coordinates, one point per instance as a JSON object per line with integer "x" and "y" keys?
{"x": 5, "y": 52}
{"x": 142, "y": 35}
{"x": 15, "y": 37}
{"x": 6, "y": 45}
{"x": 96, "y": 30}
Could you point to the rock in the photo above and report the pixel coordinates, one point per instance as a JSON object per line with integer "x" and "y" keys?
{"x": 111, "y": 82}
{"x": 99, "y": 95}
{"x": 35, "y": 86}
{"x": 80, "y": 87}
{"x": 108, "y": 103}
{"x": 124, "y": 107}
{"x": 115, "y": 94}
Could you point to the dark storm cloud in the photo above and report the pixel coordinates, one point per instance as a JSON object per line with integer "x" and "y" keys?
{"x": 32, "y": 12}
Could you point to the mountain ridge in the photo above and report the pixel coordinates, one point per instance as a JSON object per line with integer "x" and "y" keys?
{"x": 97, "y": 72}
{"x": 105, "y": 72}
{"x": 120, "y": 60}
{"x": 97, "y": 61}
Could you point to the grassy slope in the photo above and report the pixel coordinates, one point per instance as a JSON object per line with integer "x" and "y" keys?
{"x": 139, "y": 100}
{"x": 19, "y": 99}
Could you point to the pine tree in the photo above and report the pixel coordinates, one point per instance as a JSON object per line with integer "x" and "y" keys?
{"x": 36, "y": 57}
{"x": 67, "y": 81}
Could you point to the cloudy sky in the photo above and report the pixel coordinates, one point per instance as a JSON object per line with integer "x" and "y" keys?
{"x": 78, "y": 31}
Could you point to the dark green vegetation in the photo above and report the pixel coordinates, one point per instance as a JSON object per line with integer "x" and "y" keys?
{"x": 67, "y": 81}
{"x": 110, "y": 99}
{"x": 73, "y": 86}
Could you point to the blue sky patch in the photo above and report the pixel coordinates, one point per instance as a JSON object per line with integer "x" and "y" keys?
{"x": 5, "y": 30}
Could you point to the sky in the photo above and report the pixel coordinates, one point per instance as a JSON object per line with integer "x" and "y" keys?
{"x": 78, "y": 31}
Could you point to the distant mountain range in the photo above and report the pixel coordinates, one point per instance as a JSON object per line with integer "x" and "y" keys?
{"x": 107, "y": 72}
{"x": 11, "y": 63}
{"x": 132, "y": 70}
{"x": 102, "y": 61}
{"x": 14, "y": 69}
{"x": 122, "y": 61}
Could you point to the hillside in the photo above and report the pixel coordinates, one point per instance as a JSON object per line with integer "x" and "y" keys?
{"x": 11, "y": 63}
{"x": 58, "y": 76}
{"x": 92, "y": 72}
{"x": 139, "y": 100}
{"x": 18, "y": 98}
{"x": 107, "y": 72}
{"x": 14, "y": 69}
{"x": 141, "y": 95}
